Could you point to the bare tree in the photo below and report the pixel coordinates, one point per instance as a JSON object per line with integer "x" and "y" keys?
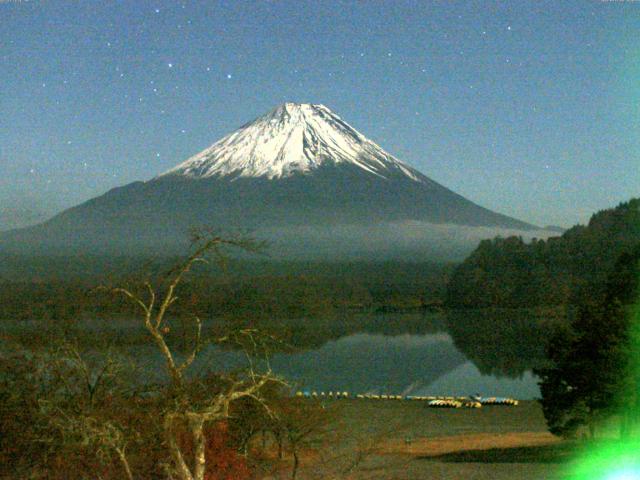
{"x": 302, "y": 424}
{"x": 189, "y": 411}
{"x": 77, "y": 389}
{"x": 105, "y": 437}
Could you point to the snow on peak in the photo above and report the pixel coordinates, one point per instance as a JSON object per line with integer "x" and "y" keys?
{"x": 293, "y": 137}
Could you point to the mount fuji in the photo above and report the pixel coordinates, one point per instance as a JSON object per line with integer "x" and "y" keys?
{"x": 299, "y": 171}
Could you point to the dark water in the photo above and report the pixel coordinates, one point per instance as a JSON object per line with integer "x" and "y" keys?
{"x": 459, "y": 354}
{"x": 404, "y": 364}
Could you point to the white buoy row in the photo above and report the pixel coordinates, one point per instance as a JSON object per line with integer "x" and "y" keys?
{"x": 315, "y": 394}
{"x": 371, "y": 396}
{"x": 435, "y": 402}
{"x": 496, "y": 401}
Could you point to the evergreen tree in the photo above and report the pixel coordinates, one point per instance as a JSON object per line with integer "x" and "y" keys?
{"x": 569, "y": 269}
{"x": 592, "y": 371}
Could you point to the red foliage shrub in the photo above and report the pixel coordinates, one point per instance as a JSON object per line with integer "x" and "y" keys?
{"x": 223, "y": 460}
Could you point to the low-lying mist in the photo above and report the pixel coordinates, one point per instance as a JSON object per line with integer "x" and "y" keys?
{"x": 446, "y": 242}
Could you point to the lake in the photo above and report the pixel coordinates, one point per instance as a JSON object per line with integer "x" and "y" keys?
{"x": 373, "y": 353}
{"x": 460, "y": 353}
{"x": 403, "y": 364}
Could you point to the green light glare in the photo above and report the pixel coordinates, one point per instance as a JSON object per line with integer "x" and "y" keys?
{"x": 624, "y": 475}
{"x": 618, "y": 460}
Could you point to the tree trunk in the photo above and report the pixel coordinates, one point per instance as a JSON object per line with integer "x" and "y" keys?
{"x": 182, "y": 469}
{"x": 125, "y": 463}
{"x": 174, "y": 372}
{"x": 296, "y": 464}
{"x": 200, "y": 461}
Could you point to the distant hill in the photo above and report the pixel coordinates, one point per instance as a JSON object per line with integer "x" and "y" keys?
{"x": 508, "y": 272}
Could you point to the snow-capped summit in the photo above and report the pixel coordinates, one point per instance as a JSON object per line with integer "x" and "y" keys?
{"x": 291, "y": 138}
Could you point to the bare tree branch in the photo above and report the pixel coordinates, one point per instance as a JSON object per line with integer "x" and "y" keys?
{"x": 189, "y": 411}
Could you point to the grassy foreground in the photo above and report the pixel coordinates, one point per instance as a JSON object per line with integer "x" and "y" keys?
{"x": 407, "y": 440}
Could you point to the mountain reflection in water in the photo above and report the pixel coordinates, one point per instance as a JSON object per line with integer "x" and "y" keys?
{"x": 488, "y": 352}
{"x": 457, "y": 353}
{"x": 373, "y": 363}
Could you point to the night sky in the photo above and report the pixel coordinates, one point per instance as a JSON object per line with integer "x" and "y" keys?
{"x": 528, "y": 108}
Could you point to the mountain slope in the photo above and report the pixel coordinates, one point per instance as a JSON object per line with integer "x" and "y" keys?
{"x": 297, "y": 165}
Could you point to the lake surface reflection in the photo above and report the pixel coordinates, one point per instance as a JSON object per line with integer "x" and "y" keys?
{"x": 457, "y": 353}
{"x": 491, "y": 352}
{"x": 404, "y": 364}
